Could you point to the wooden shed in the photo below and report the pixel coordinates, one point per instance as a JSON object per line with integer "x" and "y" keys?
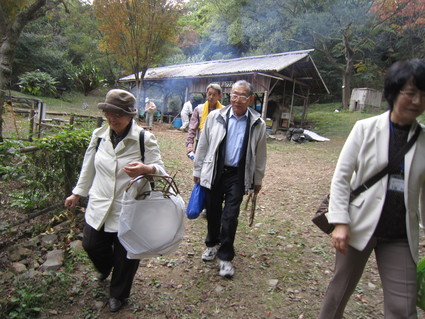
{"x": 363, "y": 99}
{"x": 281, "y": 81}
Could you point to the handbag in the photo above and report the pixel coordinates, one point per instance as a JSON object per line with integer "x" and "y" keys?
{"x": 320, "y": 219}
{"x": 420, "y": 278}
{"x": 151, "y": 222}
{"x": 196, "y": 202}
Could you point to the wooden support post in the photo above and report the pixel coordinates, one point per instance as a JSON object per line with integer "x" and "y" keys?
{"x": 305, "y": 109}
{"x": 265, "y": 102}
{"x": 41, "y": 114}
{"x": 31, "y": 128}
{"x": 71, "y": 119}
{"x": 292, "y": 104}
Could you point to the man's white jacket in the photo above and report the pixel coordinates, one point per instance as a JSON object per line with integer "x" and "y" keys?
{"x": 364, "y": 154}
{"x": 102, "y": 177}
{"x": 208, "y": 148}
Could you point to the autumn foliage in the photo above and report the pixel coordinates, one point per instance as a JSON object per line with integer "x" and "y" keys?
{"x": 403, "y": 14}
{"x": 136, "y": 31}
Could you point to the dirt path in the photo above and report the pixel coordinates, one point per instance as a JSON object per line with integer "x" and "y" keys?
{"x": 283, "y": 262}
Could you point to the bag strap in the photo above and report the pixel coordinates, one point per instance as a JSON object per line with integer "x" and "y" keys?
{"x": 393, "y": 163}
{"x": 142, "y": 144}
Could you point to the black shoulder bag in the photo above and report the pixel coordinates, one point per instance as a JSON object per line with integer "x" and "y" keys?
{"x": 320, "y": 219}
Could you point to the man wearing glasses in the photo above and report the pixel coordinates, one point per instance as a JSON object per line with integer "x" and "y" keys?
{"x": 230, "y": 161}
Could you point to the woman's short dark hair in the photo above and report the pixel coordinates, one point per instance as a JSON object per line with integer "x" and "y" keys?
{"x": 399, "y": 74}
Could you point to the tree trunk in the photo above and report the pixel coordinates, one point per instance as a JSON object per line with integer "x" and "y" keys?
{"x": 348, "y": 72}
{"x": 7, "y": 54}
{"x": 346, "y": 89}
{"x": 11, "y": 27}
{"x": 140, "y": 96}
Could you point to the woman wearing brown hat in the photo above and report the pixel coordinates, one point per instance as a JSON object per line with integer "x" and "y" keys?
{"x": 112, "y": 159}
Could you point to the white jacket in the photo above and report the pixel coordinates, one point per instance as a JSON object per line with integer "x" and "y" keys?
{"x": 102, "y": 177}
{"x": 364, "y": 154}
{"x": 208, "y": 146}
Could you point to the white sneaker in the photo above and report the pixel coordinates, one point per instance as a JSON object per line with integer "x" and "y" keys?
{"x": 210, "y": 253}
{"x": 226, "y": 269}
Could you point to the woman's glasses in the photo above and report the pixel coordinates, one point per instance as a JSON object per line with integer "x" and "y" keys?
{"x": 412, "y": 94}
{"x": 113, "y": 115}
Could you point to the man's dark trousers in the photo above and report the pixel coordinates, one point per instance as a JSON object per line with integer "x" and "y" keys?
{"x": 223, "y": 221}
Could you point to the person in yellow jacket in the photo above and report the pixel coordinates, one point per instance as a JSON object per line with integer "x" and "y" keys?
{"x": 200, "y": 113}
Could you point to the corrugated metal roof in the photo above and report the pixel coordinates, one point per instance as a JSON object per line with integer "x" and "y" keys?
{"x": 262, "y": 63}
{"x": 295, "y": 66}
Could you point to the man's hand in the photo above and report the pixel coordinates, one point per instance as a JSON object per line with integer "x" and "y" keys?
{"x": 340, "y": 237}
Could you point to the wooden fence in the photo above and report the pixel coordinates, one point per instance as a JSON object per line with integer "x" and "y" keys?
{"x": 28, "y": 117}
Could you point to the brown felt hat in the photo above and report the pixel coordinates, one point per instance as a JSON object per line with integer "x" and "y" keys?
{"x": 119, "y": 101}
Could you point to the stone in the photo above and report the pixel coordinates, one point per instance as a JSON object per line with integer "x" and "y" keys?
{"x": 76, "y": 245}
{"x": 54, "y": 260}
{"x": 371, "y": 286}
{"x": 273, "y": 283}
{"x": 219, "y": 289}
{"x": 19, "y": 253}
{"x": 49, "y": 239}
{"x": 18, "y": 267}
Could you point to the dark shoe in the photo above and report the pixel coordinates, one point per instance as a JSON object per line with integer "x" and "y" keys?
{"x": 115, "y": 304}
{"x": 102, "y": 276}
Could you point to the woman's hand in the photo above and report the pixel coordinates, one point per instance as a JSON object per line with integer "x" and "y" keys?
{"x": 135, "y": 169}
{"x": 71, "y": 201}
{"x": 340, "y": 237}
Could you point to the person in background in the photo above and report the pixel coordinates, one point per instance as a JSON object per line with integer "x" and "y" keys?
{"x": 384, "y": 218}
{"x": 150, "y": 109}
{"x": 200, "y": 114}
{"x": 186, "y": 112}
{"x": 111, "y": 160}
{"x": 230, "y": 161}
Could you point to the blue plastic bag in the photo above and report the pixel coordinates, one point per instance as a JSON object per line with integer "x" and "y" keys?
{"x": 196, "y": 202}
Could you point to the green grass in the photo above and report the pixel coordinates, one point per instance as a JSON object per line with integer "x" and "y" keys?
{"x": 72, "y": 102}
{"x": 326, "y": 122}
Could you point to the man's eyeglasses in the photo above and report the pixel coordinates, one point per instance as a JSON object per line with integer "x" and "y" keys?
{"x": 412, "y": 94}
{"x": 242, "y": 98}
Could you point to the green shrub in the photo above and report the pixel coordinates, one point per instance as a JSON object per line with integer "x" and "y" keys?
{"x": 38, "y": 83}
{"x": 85, "y": 78}
{"x": 48, "y": 173}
